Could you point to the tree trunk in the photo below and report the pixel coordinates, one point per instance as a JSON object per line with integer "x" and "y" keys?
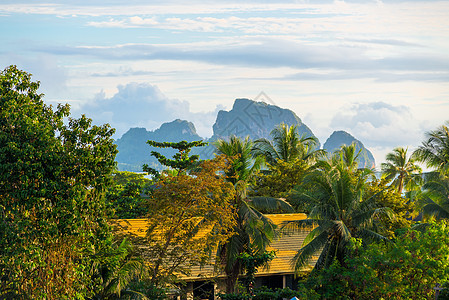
{"x": 232, "y": 277}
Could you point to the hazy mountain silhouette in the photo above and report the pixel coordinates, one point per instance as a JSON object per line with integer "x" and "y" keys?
{"x": 134, "y": 151}
{"x": 255, "y": 119}
{"x": 340, "y": 138}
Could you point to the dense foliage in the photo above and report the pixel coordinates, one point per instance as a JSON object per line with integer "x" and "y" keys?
{"x": 126, "y": 197}
{"x": 53, "y": 173}
{"x": 404, "y": 210}
{"x": 338, "y": 210}
{"x": 409, "y": 268}
{"x": 189, "y": 214}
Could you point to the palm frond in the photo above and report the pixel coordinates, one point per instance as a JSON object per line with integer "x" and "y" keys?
{"x": 306, "y": 252}
{"x": 263, "y": 147}
{"x": 271, "y": 204}
{"x": 372, "y": 236}
{"x": 316, "y": 232}
{"x": 229, "y": 251}
{"x": 342, "y": 230}
{"x": 365, "y": 218}
{"x": 437, "y": 210}
{"x": 435, "y": 150}
{"x": 257, "y": 226}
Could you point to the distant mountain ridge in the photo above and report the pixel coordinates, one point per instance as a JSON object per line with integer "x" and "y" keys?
{"x": 134, "y": 151}
{"x": 340, "y": 138}
{"x": 246, "y": 118}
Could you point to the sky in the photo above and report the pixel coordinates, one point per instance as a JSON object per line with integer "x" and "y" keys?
{"x": 376, "y": 69}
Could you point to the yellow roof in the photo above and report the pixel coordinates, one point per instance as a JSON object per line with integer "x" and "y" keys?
{"x": 285, "y": 246}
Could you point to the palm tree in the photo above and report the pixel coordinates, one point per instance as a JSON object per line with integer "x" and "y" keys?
{"x": 253, "y": 231}
{"x": 402, "y": 170}
{"x": 113, "y": 269}
{"x": 339, "y": 212}
{"x": 346, "y": 156}
{"x": 436, "y": 196}
{"x": 435, "y": 150}
{"x": 287, "y": 145}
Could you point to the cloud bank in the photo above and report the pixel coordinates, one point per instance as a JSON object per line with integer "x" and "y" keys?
{"x": 144, "y": 105}
{"x": 379, "y": 124}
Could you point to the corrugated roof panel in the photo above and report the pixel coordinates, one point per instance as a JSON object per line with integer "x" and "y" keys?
{"x": 285, "y": 246}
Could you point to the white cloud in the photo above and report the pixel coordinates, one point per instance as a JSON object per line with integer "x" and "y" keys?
{"x": 144, "y": 105}
{"x": 379, "y": 124}
{"x": 111, "y": 23}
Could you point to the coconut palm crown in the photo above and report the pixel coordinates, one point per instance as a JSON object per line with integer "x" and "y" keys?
{"x": 435, "y": 150}
{"x": 338, "y": 210}
{"x": 287, "y": 145}
{"x": 436, "y": 196}
{"x": 401, "y": 170}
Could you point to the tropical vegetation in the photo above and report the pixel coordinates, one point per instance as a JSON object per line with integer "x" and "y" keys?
{"x": 338, "y": 210}
{"x": 62, "y": 202}
{"x": 253, "y": 231}
{"x": 401, "y": 170}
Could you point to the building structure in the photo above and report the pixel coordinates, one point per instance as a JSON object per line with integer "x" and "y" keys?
{"x": 204, "y": 282}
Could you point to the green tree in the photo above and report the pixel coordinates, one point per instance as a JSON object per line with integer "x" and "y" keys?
{"x": 181, "y": 161}
{"x": 287, "y": 146}
{"x": 401, "y": 170}
{"x": 435, "y": 198}
{"x": 250, "y": 264}
{"x": 435, "y": 150}
{"x": 280, "y": 178}
{"x": 127, "y": 193}
{"x": 339, "y": 211}
{"x": 405, "y": 210}
{"x": 253, "y": 231}
{"x": 346, "y": 157}
{"x": 53, "y": 176}
{"x": 409, "y": 268}
{"x": 115, "y": 267}
{"x": 188, "y": 216}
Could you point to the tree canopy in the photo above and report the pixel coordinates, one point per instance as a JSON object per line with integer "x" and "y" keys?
{"x": 53, "y": 172}
{"x": 401, "y": 170}
{"x": 188, "y": 217}
{"x": 287, "y": 146}
{"x": 338, "y": 209}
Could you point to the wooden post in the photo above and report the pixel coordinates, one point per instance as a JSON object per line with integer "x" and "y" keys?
{"x": 189, "y": 291}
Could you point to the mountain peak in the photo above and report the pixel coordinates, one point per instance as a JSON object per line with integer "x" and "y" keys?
{"x": 177, "y": 127}
{"x": 340, "y": 138}
{"x": 134, "y": 151}
{"x": 255, "y": 119}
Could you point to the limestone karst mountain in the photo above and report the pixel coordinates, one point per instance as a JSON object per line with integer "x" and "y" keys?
{"x": 339, "y": 138}
{"x": 134, "y": 151}
{"x": 255, "y": 119}
{"x": 246, "y": 118}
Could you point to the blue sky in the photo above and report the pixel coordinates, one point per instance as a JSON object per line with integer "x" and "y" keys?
{"x": 377, "y": 69}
